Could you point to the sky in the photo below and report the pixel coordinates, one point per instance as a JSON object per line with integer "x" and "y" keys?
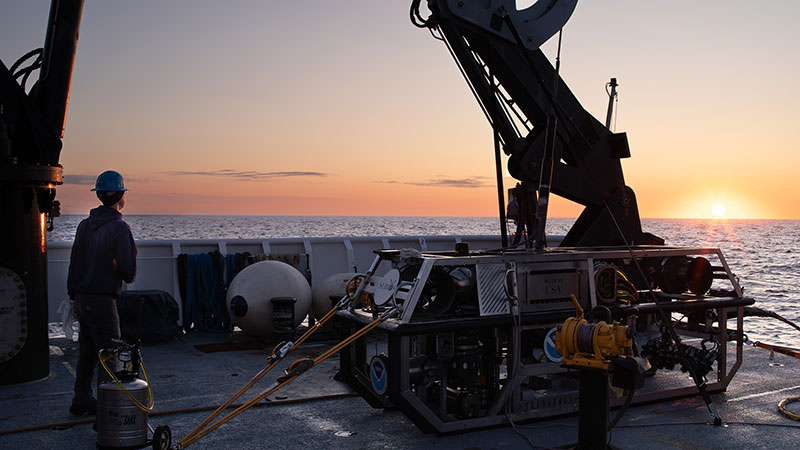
{"x": 345, "y": 108}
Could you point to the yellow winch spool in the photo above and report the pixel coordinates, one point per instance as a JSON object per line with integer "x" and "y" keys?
{"x": 591, "y": 345}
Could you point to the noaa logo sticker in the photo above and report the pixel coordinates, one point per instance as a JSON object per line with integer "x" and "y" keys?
{"x": 377, "y": 374}
{"x": 550, "y": 346}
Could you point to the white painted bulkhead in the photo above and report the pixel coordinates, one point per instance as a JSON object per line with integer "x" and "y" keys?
{"x": 157, "y": 266}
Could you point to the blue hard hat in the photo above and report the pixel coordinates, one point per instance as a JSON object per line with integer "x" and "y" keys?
{"x": 109, "y": 180}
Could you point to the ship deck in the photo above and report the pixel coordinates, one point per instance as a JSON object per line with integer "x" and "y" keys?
{"x": 318, "y": 412}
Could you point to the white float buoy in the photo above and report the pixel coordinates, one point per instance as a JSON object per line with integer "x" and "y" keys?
{"x": 251, "y": 292}
{"x": 323, "y": 290}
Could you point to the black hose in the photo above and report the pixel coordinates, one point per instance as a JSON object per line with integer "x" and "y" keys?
{"x": 628, "y": 401}
{"x": 71, "y": 423}
{"x": 752, "y": 311}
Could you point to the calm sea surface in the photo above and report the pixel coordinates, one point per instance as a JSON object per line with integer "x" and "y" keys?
{"x": 764, "y": 254}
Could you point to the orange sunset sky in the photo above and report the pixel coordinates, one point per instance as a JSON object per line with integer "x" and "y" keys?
{"x": 345, "y": 108}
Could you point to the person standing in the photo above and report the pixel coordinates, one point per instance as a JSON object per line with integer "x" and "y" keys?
{"x": 103, "y": 256}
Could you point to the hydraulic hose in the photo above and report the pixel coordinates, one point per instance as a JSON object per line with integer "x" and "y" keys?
{"x": 752, "y": 311}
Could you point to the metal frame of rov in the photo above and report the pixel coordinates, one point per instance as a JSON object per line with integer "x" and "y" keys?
{"x": 466, "y": 349}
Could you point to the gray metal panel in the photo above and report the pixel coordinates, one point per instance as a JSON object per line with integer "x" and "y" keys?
{"x": 492, "y": 298}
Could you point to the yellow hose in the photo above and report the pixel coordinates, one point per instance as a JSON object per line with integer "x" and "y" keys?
{"x": 119, "y": 384}
{"x": 782, "y": 408}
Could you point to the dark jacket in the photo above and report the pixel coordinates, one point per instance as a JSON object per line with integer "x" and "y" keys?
{"x": 103, "y": 254}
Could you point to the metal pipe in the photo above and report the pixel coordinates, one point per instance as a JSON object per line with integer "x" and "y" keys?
{"x": 52, "y": 95}
{"x": 611, "y": 97}
{"x": 500, "y": 193}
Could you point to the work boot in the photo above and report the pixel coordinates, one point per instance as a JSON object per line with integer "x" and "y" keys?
{"x": 79, "y": 409}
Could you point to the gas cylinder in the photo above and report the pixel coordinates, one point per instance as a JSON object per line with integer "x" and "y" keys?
{"x": 120, "y": 423}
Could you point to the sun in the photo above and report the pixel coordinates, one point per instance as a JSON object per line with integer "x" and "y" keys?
{"x": 718, "y": 210}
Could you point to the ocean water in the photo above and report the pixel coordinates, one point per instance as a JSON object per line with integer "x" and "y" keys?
{"x": 764, "y": 254}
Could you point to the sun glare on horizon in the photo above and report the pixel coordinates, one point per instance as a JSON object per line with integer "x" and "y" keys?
{"x": 718, "y": 210}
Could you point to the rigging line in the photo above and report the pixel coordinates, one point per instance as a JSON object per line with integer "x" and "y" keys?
{"x": 550, "y": 97}
{"x": 473, "y": 66}
{"x": 275, "y": 358}
{"x": 501, "y": 199}
{"x": 502, "y": 98}
{"x": 548, "y": 156}
{"x": 290, "y": 376}
{"x": 469, "y": 82}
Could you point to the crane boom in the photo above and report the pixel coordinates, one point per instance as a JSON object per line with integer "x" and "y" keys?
{"x": 497, "y": 48}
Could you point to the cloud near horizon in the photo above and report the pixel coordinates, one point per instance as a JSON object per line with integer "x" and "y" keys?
{"x": 471, "y": 182}
{"x": 80, "y": 179}
{"x": 89, "y": 180}
{"x": 248, "y": 175}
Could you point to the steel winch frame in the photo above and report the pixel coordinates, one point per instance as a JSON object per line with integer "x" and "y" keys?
{"x": 414, "y": 338}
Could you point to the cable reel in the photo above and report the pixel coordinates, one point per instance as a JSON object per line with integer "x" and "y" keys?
{"x": 592, "y": 345}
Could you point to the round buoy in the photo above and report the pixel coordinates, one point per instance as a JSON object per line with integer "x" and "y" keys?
{"x": 335, "y": 285}
{"x": 252, "y": 291}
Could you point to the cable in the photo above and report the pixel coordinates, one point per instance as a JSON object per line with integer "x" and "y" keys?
{"x": 782, "y": 408}
{"x": 759, "y": 312}
{"x": 71, "y": 423}
{"x": 514, "y": 359}
{"x": 628, "y": 401}
{"x": 667, "y": 424}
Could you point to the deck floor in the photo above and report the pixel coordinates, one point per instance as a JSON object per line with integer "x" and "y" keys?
{"x": 184, "y": 377}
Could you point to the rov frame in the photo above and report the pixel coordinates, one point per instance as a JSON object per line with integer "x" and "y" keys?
{"x": 463, "y": 366}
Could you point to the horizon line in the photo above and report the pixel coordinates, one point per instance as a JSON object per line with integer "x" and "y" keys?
{"x": 429, "y": 216}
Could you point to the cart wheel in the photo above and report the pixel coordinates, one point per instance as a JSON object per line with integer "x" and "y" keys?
{"x": 162, "y": 438}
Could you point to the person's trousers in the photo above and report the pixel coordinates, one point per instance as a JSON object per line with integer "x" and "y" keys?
{"x": 99, "y": 322}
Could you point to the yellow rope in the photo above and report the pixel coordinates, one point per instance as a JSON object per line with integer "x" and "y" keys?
{"x": 233, "y": 398}
{"x": 777, "y": 349}
{"x": 189, "y": 438}
{"x": 786, "y": 412}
